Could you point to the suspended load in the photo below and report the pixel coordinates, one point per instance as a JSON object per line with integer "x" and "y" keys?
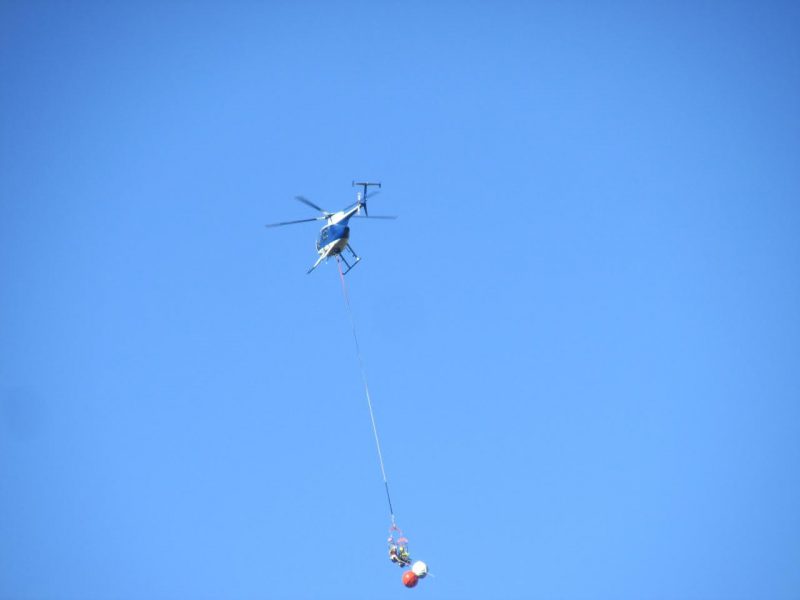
{"x": 409, "y": 579}
{"x": 398, "y": 547}
{"x": 420, "y": 569}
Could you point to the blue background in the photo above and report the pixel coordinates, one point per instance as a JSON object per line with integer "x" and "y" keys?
{"x": 582, "y": 335}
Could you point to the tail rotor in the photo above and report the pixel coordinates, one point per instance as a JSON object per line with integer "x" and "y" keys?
{"x": 362, "y": 200}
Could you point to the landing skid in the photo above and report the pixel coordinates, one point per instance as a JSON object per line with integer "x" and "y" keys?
{"x": 355, "y": 258}
{"x": 316, "y": 264}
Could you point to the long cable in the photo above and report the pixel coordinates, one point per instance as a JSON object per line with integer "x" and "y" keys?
{"x": 366, "y": 388}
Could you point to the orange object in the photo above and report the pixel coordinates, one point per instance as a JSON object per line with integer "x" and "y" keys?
{"x": 410, "y": 579}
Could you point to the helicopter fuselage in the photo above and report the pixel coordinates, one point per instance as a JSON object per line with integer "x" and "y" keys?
{"x": 333, "y": 238}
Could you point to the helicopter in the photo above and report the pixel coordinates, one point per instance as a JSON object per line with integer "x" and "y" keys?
{"x": 334, "y": 237}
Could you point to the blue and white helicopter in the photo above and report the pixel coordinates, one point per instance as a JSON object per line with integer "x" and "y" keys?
{"x": 334, "y": 238}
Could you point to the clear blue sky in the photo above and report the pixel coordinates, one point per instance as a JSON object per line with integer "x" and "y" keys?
{"x": 582, "y": 334}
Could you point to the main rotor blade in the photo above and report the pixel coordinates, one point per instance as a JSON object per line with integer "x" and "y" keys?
{"x": 293, "y": 222}
{"x": 375, "y": 217}
{"x": 311, "y": 204}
